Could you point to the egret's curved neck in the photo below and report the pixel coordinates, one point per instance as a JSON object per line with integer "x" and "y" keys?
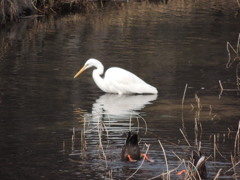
{"x": 97, "y": 78}
{"x": 99, "y": 67}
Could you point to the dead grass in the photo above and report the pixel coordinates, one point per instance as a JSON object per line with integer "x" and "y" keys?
{"x": 11, "y": 10}
{"x": 233, "y": 60}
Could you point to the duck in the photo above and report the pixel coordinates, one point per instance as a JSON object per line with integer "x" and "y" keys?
{"x": 199, "y": 165}
{"x": 198, "y": 168}
{"x": 131, "y": 151}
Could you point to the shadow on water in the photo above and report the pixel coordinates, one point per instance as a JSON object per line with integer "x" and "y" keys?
{"x": 55, "y": 127}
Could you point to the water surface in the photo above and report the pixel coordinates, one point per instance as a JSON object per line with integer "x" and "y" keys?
{"x": 54, "y": 127}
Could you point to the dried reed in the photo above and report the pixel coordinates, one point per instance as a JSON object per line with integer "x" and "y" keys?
{"x": 184, "y": 94}
{"x": 236, "y": 143}
{"x": 100, "y": 129}
{"x": 165, "y": 157}
{"x": 185, "y": 137}
{"x": 218, "y": 174}
{"x": 236, "y": 51}
{"x": 230, "y": 61}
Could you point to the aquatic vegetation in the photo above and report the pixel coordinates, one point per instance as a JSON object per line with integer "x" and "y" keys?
{"x": 96, "y": 142}
{"x": 187, "y": 168}
{"x": 195, "y": 163}
{"x": 11, "y": 10}
{"x": 233, "y": 60}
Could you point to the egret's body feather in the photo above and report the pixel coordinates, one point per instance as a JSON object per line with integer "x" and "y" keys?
{"x": 117, "y": 80}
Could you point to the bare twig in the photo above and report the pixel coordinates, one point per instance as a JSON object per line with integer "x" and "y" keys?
{"x": 220, "y": 83}
{"x": 144, "y": 123}
{"x": 236, "y": 51}
{"x": 198, "y": 102}
{"x": 165, "y": 157}
{"x": 185, "y": 137}
{"x": 184, "y": 94}
{"x": 214, "y": 147}
{"x": 195, "y": 172}
{"x": 232, "y": 167}
{"x": 236, "y": 58}
{"x": 100, "y": 128}
{"x": 230, "y": 90}
{"x": 238, "y": 3}
{"x": 218, "y": 174}
{"x": 236, "y": 143}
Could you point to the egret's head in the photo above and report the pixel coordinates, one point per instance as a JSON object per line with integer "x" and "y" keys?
{"x": 90, "y": 63}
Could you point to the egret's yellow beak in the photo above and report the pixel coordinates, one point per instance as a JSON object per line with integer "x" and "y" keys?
{"x": 79, "y": 72}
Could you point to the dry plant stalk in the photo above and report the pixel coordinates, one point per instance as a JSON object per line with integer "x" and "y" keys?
{"x": 234, "y": 165}
{"x": 144, "y": 123}
{"x": 236, "y": 51}
{"x": 100, "y": 129}
{"x": 236, "y": 143}
{"x": 228, "y": 90}
{"x": 238, "y": 3}
{"x": 193, "y": 172}
{"x": 83, "y": 142}
{"x": 137, "y": 118}
{"x": 198, "y": 102}
{"x": 170, "y": 171}
{"x": 184, "y": 94}
{"x": 183, "y": 99}
{"x": 185, "y": 137}
{"x": 165, "y": 157}
{"x": 73, "y": 138}
{"x": 198, "y": 136}
{"x": 236, "y": 58}
{"x": 215, "y": 146}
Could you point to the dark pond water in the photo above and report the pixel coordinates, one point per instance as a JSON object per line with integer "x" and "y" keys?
{"x": 54, "y": 127}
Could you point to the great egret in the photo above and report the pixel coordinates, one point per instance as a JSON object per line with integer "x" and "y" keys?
{"x": 117, "y": 80}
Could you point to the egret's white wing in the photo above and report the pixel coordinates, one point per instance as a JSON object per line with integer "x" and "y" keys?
{"x": 122, "y": 81}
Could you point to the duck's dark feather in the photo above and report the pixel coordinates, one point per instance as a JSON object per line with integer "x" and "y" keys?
{"x": 131, "y": 148}
{"x": 199, "y": 163}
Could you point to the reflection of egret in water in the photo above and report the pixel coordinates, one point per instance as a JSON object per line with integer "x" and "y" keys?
{"x": 103, "y": 128}
{"x": 122, "y": 106}
{"x": 118, "y": 110}
{"x": 116, "y": 113}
